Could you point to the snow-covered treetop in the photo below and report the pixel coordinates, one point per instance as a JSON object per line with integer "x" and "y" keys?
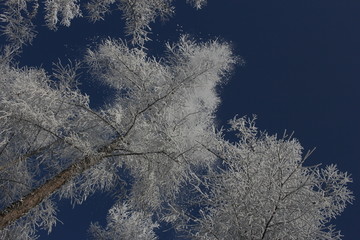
{"x": 18, "y": 15}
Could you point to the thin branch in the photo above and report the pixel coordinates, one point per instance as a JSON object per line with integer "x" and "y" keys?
{"x": 97, "y": 115}
{"x": 133, "y": 154}
{"x": 27, "y": 155}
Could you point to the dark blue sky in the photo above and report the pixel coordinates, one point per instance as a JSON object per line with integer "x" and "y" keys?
{"x": 301, "y": 74}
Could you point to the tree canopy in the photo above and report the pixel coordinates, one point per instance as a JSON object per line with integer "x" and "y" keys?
{"x": 158, "y": 136}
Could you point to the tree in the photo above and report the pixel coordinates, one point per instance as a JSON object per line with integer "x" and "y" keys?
{"x": 262, "y": 190}
{"x": 65, "y": 147}
{"x": 159, "y": 132}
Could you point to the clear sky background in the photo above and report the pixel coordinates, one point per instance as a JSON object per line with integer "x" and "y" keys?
{"x": 301, "y": 74}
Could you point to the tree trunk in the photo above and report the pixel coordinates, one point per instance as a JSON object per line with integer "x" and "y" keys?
{"x": 19, "y": 208}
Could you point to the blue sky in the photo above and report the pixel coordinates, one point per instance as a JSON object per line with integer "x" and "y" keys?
{"x": 301, "y": 74}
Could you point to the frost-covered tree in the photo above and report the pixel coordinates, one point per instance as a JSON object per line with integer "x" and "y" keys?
{"x": 18, "y": 15}
{"x": 158, "y": 132}
{"x": 262, "y": 189}
{"x": 53, "y": 143}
